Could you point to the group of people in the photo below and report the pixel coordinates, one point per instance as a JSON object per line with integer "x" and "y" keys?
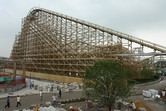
{"x": 18, "y": 99}
{"x": 53, "y": 97}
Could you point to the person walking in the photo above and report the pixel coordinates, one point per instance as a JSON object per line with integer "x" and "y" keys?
{"x": 54, "y": 100}
{"x": 41, "y": 95}
{"x": 18, "y": 100}
{"x": 30, "y": 85}
{"x": 60, "y": 93}
{"x": 8, "y": 102}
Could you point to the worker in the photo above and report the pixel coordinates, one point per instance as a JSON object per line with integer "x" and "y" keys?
{"x": 132, "y": 105}
{"x": 71, "y": 108}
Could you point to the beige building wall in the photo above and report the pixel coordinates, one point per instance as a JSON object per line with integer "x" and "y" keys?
{"x": 51, "y": 77}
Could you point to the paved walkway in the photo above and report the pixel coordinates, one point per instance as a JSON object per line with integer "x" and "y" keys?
{"x": 155, "y": 106}
{"x": 29, "y": 100}
{"x": 157, "y": 86}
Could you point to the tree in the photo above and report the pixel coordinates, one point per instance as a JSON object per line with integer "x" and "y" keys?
{"x": 106, "y": 82}
{"x": 147, "y": 73}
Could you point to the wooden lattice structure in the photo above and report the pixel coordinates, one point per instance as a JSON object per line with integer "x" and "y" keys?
{"x": 57, "y": 44}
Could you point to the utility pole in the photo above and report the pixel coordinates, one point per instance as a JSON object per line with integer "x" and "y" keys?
{"x": 14, "y": 72}
{"x": 24, "y": 72}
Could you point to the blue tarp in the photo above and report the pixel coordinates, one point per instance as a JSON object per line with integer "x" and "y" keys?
{"x": 3, "y": 79}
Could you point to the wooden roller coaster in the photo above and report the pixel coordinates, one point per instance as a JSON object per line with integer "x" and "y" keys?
{"x": 58, "y": 44}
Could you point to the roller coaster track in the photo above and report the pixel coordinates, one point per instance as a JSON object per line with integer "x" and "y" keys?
{"x": 58, "y": 44}
{"x": 142, "y": 42}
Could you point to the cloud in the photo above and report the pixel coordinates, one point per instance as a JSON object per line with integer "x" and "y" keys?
{"x": 145, "y": 19}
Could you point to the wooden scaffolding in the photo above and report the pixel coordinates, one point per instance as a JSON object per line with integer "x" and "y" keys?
{"x": 54, "y": 43}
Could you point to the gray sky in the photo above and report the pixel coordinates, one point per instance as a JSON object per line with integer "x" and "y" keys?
{"x": 145, "y": 19}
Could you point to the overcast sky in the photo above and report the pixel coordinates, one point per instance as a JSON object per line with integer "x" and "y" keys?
{"x": 145, "y": 19}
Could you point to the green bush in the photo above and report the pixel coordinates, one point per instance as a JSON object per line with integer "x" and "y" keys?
{"x": 147, "y": 79}
{"x": 147, "y": 73}
{"x": 143, "y": 80}
{"x": 132, "y": 82}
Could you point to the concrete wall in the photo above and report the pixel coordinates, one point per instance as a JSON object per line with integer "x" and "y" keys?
{"x": 51, "y": 77}
{"x": 11, "y": 89}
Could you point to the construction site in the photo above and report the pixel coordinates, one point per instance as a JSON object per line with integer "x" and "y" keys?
{"x": 59, "y": 48}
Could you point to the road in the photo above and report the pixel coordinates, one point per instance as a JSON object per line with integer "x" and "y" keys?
{"x": 155, "y": 106}
{"x": 157, "y": 86}
{"x": 29, "y": 100}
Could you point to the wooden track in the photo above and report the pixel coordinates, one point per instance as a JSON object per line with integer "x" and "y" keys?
{"x": 107, "y": 30}
{"x": 58, "y": 44}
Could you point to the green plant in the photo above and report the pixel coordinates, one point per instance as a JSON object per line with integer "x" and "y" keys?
{"x": 106, "y": 82}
